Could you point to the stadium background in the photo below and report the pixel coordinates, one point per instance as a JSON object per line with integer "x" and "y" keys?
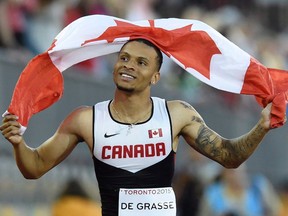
{"x": 259, "y": 27}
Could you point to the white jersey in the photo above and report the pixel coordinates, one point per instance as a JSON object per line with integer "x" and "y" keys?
{"x": 131, "y": 156}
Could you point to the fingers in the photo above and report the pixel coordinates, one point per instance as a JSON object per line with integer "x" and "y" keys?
{"x": 269, "y": 106}
{"x": 9, "y": 118}
{"x": 10, "y": 127}
{"x": 10, "y": 132}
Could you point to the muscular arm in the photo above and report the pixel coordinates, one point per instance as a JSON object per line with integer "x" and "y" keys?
{"x": 35, "y": 162}
{"x": 228, "y": 152}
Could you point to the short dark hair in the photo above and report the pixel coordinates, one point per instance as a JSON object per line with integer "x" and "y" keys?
{"x": 148, "y": 43}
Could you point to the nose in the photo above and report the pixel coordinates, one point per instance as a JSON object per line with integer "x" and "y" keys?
{"x": 130, "y": 65}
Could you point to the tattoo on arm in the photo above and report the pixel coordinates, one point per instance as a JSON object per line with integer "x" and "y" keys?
{"x": 246, "y": 144}
{"x": 194, "y": 118}
{"x": 187, "y": 105}
{"x": 230, "y": 153}
{"x": 207, "y": 141}
{"x": 197, "y": 119}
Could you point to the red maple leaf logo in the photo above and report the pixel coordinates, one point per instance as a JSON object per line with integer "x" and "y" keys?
{"x": 155, "y": 132}
{"x": 194, "y": 49}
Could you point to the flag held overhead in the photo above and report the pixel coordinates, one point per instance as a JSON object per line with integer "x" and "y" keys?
{"x": 193, "y": 45}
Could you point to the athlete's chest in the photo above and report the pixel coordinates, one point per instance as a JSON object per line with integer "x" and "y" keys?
{"x": 132, "y": 148}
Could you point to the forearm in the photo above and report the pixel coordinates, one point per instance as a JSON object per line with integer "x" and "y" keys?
{"x": 27, "y": 160}
{"x": 33, "y": 163}
{"x": 236, "y": 151}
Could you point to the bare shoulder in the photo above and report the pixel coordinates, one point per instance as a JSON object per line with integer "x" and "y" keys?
{"x": 182, "y": 115}
{"x": 82, "y": 113}
{"x": 179, "y": 104}
{"x": 78, "y": 121}
{"x": 181, "y": 108}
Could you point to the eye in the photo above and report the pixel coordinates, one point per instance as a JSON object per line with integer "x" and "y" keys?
{"x": 142, "y": 63}
{"x": 123, "y": 58}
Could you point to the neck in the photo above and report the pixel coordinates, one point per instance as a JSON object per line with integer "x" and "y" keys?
{"x": 131, "y": 108}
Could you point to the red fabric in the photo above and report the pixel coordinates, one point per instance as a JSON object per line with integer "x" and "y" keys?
{"x": 268, "y": 85}
{"x": 39, "y": 86}
{"x": 196, "y": 54}
{"x": 193, "y": 45}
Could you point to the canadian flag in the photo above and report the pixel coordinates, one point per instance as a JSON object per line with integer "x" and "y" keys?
{"x": 155, "y": 133}
{"x": 199, "y": 49}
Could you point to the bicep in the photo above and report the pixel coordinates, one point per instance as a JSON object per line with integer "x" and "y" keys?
{"x": 200, "y": 137}
{"x": 206, "y": 141}
{"x": 230, "y": 153}
{"x": 196, "y": 133}
{"x": 55, "y": 149}
{"x": 61, "y": 144}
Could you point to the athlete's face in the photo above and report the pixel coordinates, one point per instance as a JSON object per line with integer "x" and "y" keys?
{"x": 136, "y": 67}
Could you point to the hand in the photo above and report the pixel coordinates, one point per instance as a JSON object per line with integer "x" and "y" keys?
{"x": 11, "y": 129}
{"x": 266, "y": 116}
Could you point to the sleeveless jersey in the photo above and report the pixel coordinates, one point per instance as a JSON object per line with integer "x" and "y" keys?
{"x": 131, "y": 156}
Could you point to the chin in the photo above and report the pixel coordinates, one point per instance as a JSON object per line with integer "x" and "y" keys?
{"x": 125, "y": 89}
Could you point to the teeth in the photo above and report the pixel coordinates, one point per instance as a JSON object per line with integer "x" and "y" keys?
{"x": 127, "y": 76}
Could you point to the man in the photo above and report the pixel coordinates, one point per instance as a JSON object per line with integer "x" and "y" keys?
{"x": 134, "y": 138}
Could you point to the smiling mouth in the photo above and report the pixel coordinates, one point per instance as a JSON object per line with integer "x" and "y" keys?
{"x": 127, "y": 76}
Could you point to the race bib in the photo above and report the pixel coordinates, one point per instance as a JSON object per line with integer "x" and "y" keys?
{"x": 147, "y": 201}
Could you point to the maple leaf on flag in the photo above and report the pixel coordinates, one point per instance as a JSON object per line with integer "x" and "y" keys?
{"x": 193, "y": 45}
{"x": 194, "y": 49}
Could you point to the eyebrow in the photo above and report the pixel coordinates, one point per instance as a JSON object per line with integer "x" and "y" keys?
{"x": 138, "y": 57}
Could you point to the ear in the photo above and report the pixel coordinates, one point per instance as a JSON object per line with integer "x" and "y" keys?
{"x": 155, "y": 78}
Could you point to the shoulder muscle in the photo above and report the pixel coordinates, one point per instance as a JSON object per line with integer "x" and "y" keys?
{"x": 77, "y": 122}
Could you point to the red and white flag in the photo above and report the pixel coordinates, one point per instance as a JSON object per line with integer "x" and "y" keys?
{"x": 155, "y": 133}
{"x": 193, "y": 45}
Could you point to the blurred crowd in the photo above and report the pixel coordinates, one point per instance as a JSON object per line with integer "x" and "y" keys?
{"x": 204, "y": 188}
{"x": 259, "y": 27}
